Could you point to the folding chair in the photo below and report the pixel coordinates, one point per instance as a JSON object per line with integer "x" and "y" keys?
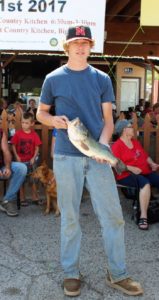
{"x": 4, "y": 180}
{"x": 132, "y": 193}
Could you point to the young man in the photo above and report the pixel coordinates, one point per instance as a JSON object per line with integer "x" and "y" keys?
{"x": 15, "y": 171}
{"x": 25, "y": 144}
{"x": 79, "y": 90}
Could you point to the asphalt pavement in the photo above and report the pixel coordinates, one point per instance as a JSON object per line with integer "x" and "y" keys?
{"x": 30, "y": 256}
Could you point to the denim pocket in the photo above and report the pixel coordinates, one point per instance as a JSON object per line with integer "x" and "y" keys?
{"x": 60, "y": 157}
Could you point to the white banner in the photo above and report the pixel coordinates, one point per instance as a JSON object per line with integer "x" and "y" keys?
{"x": 149, "y": 13}
{"x": 41, "y": 25}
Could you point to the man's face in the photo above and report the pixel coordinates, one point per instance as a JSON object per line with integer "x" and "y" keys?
{"x": 79, "y": 48}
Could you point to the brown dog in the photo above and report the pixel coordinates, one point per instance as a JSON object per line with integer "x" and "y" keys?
{"x": 46, "y": 176}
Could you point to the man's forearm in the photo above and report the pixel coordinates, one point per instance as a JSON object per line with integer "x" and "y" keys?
{"x": 45, "y": 118}
{"x": 106, "y": 134}
{"x": 7, "y": 159}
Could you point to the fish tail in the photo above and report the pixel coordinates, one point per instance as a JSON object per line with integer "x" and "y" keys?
{"x": 120, "y": 167}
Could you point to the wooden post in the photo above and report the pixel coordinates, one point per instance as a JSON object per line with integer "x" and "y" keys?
{"x": 4, "y": 121}
{"x": 157, "y": 143}
{"x": 0, "y": 79}
{"x": 45, "y": 140}
{"x": 147, "y": 129}
{"x": 153, "y": 80}
{"x": 135, "y": 125}
{"x": 18, "y": 117}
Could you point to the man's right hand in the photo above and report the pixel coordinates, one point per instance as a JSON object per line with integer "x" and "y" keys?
{"x": 60, "y": 122}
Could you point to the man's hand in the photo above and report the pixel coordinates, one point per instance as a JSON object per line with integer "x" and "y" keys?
{"x": 6, "y": 172}
{"x": 99, "y": 160}
{"x": 60, "y": 122}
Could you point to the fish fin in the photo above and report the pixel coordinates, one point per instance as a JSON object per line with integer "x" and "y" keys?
{"x": 120, "y": 167}
{"x": 84, "y": 146}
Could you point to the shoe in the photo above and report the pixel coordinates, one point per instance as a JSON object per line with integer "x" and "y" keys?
{"x": 9, "y": 207}
{"x": 41, "y": 202}
{"x": 24, "y": 203}
{"x": 127, "y": 286}
{"x": 72, "y": 287}
{"x": 143, "y": 224}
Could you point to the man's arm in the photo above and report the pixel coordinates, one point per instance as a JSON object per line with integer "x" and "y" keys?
{"x": 6, "y": 155}
{"x": 108, "y": 128}
{"x": 44, "y": 117}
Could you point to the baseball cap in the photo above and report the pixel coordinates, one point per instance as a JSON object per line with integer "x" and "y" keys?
{"x": 119, "y": 126}
{"x": 78, "y": 32}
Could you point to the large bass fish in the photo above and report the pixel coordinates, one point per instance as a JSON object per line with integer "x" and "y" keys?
{"x": 81, "y": 138}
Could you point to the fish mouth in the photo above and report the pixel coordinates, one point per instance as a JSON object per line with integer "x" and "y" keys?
{"x": 75, "y": 122}
{"x": 76, "y": 130}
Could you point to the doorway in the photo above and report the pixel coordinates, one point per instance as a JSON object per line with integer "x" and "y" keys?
{"x": 129, "y": 92}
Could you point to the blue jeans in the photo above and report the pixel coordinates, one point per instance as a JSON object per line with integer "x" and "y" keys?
{"x": 72, "y": 173}
{"x": 19, "y": 171}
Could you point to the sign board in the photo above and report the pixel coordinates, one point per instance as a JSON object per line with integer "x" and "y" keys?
{"x": 41, "y": 25}
{"x": 149, "y": 13}
{"x": 128, "y": 70}
{"x": 15, "y": 86}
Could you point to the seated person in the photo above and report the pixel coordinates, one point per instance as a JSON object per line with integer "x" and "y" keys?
{"x": 18, "y": 107}
{"x": 124, "y": 115}
{"x": 16, "y": 171}
{"x": 25, "y": 145}
{"x": 154, "y": 115}
{"x": 130, "y": 151}
{"x": 32, "y": 107}
{"x": 147, "y": 108}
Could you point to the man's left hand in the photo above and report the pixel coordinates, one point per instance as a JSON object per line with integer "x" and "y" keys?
{"x": 6, "y": 172}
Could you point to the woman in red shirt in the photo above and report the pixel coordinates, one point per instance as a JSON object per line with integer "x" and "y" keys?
{"x": 130, "y": 151}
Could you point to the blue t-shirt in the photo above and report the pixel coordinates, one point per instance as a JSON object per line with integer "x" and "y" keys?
{"x": 77, "y": 94}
